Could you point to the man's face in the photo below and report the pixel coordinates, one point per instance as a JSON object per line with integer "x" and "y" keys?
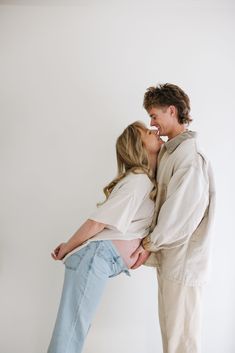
{"x": 164, "y": 119}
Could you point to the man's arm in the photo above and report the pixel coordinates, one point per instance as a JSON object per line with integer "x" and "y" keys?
{"x": 186, "y": 201}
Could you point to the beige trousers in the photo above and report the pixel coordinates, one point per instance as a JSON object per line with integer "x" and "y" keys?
{"x": 179, "y": 309}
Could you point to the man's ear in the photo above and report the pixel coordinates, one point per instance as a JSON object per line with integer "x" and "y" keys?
{"x": 173, "y": 111}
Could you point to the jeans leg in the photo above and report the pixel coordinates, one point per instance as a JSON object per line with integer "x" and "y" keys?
{"x": 86, "y": 275}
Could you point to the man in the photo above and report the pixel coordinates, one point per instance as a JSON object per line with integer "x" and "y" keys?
{"x": 179, "y": 239}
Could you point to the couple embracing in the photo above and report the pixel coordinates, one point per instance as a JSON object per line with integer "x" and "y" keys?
{"x": 158, "y": 212}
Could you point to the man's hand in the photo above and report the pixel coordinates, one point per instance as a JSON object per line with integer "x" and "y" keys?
{"x": 60, "y": 252}
{"x": 142, "y": 256}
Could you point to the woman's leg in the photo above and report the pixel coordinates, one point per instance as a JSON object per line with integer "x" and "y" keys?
{"x": 86, "y": 274}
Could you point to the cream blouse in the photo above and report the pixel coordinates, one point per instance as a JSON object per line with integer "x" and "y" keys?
{"x": 127, "y": 213}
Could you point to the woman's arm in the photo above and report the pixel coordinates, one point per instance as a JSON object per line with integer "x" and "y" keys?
{"x": 85, "y": 232}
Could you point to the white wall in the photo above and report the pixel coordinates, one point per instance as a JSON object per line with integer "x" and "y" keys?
{"x": 73, "y": 75}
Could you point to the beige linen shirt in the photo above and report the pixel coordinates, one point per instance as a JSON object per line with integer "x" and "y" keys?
{"x": 180, "y": 236}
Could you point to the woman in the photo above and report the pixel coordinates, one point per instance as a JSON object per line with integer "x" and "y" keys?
{"x": 102, "y": 246}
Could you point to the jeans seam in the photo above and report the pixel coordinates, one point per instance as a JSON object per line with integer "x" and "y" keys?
{"x": 80, "y": 304}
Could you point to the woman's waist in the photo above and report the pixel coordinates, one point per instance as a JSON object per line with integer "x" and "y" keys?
{"x": 126, "y": 248}
{"x": 133, "y": 233}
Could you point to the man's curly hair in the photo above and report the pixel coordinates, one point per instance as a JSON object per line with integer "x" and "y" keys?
{"x": 164, "y": 95}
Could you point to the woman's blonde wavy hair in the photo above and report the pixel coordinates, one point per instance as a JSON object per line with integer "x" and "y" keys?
{"x": 132, "y": 157}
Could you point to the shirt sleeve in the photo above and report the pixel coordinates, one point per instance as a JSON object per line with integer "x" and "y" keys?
{"x": 186, "y": 202}
{"x": 119, "y": 210}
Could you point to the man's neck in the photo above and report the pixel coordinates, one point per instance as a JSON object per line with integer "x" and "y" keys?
{"x": 177, "y": 131}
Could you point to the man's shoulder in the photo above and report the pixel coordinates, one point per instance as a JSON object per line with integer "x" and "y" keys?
{"x": 187, "y": 154}
{"x": 187, "y": 147}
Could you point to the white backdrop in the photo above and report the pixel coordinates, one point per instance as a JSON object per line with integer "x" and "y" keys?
{"x": 73, "y": 75}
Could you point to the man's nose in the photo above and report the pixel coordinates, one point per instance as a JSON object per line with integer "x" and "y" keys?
{"x": 152, "y": 122}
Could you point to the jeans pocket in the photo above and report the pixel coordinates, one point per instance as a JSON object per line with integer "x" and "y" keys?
{"x": 118, "y": 267}
{"x": 73, "y": 261}
{"x": 113, "y": 259}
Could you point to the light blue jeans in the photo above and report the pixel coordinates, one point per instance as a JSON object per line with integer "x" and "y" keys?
{"x": 86, "y": 274}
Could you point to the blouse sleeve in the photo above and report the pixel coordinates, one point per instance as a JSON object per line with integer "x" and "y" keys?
{"x": 119, "y": 210}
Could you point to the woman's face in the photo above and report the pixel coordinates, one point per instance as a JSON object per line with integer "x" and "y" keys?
{"x": 151, "y": 140}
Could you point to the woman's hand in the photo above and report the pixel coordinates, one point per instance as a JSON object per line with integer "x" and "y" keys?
{"x": 142, "y": 256}
{"x": 60, "y": 251}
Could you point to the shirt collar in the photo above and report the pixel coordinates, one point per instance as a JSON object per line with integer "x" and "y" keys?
{"x": 172, "y": 144}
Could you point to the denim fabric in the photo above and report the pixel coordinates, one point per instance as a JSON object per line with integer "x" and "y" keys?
{"x": 86, "y": 274}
